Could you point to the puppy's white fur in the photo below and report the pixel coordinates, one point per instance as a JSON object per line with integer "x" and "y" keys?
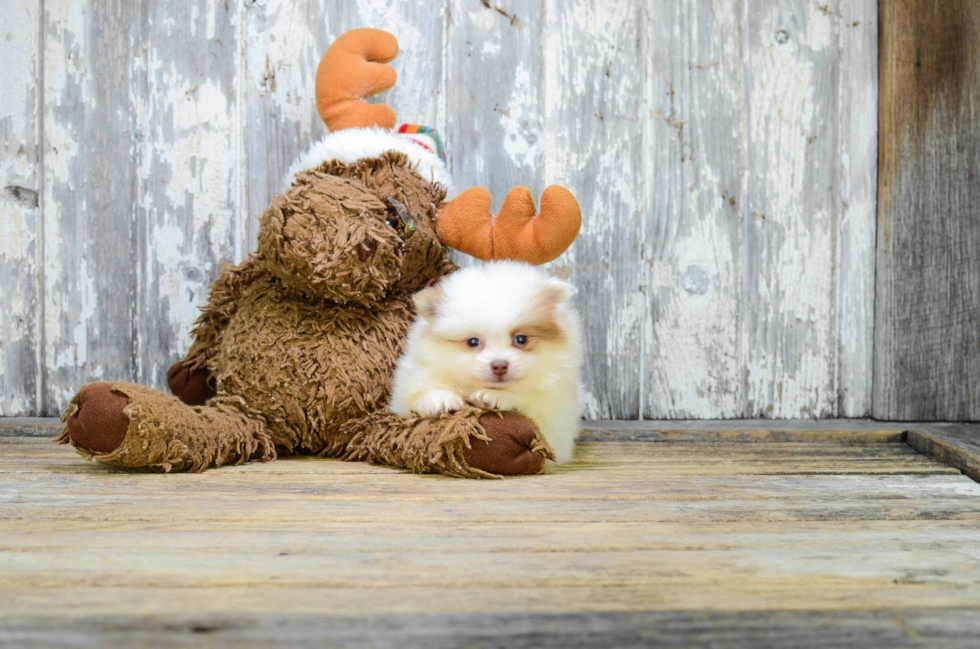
{"x": 495, "y": 304}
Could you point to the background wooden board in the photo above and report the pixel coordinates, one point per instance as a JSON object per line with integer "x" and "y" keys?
{"x": 769, "y": 542}
{"x": 790, "y": 211}
{"x": 190, "y": 215}
{"x": 593, "y": 53}
{"x": 166, "y": 128}
{"x": 20, "y": 132}
{"x": 92, "y": 148}
{"x": 927, "y": 339}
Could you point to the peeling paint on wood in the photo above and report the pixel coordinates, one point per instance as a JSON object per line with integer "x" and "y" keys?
{"x": 92, "y": 148}
{"x": 695, "y": 146}
{"x": 191, "y": 218}
{"x": 723, "y": 154}
{"x": 789, "y": 352}
{"x": 858, "y": 109}
{"x": 18, "y": 208}
{"x": 593, "y": 98}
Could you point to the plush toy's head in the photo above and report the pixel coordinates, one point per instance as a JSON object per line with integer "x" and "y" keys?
{"x": 365, "y": 217}
{"x": 355, "y": 232}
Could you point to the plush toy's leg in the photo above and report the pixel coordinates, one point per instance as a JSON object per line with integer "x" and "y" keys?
{"x": 133, "y": 426}
{"x": 470, "y": 443}
{"x": 193, "y": 387}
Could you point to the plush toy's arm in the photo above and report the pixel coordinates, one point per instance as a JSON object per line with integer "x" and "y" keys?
{"x": 223, "y": 297}
{"x": 468, "y": 443}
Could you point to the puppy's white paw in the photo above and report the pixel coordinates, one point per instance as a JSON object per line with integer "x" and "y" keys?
{"x": 438, "y": 402}
{"x": 489, "y": 399}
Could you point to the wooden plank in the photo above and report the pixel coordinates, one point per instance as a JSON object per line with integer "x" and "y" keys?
{"x": 695, "y": 149}
{"x": 842, "y": 430}
{"x": 45, "y": 427}
{"x": 494, "y": 95}
{"x": 857, "y": 110}
{"x": 640, "y": 484}
{"x": 281, "y": 50}
{"x": 954, "y": 445}
{"x": 850, "y": 430}
{"x": 593, "y": 101}
{"x": 19, "y": 209}
{"x": 190, "y": 215}
{"x": 790, "y": 213}
{"x": 92, "y": 150}
{"x": 694, "y": 461}
{"x": 747, "y": 313}
{"x": 692, "y": 541}
{"x": 801, "y": 426}
{"x": 744, "y": 435}
{"x": 955, "y": 628}
{"x": 927, "y": 342}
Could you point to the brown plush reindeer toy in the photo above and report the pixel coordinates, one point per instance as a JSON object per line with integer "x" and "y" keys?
{"x": 295, "y": 349}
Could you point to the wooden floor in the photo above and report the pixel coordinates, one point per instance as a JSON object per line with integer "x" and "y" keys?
{"x": 702, "y": 535}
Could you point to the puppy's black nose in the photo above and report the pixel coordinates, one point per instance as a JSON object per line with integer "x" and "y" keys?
{"x": 499, "y": 367}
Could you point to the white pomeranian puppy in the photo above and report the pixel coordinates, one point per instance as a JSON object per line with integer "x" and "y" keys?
{"x": 501, "y": 336}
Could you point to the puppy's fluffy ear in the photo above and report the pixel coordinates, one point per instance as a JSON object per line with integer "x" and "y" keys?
{"x": 556, "y": 292}
{"x": 427, "y": 302}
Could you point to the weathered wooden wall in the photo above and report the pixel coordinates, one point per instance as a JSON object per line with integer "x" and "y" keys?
{"x": 724, "y": 152}
{"x": 927, "y": 341}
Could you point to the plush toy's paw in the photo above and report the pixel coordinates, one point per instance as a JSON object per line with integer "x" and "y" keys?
{"x": 513, "y": 449}
{"x": 438, "y": 402}
{"x": 193, "y": 387}
{"x": 95, "y": 419}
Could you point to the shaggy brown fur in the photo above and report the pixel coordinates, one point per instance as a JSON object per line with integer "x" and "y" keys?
{"x": 301, "y": 339}
{"x": 169, "y": 435}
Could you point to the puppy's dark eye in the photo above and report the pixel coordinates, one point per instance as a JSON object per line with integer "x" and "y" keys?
{"x": 392, "y": 222}
{"x": 473, "y": 342}
{"x": 520, "y": 340}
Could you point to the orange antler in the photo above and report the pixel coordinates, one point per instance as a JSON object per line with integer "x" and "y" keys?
{"x": 515, "y": 233}
{"x": 353, "y": 69}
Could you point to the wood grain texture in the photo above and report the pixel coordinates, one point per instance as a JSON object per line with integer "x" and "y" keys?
{"x": 702, "y": 540}
{"x": 593, "y": 60}
{"x": 695, "y": 149}
{"x": 790, "y": 212}
{"x": 857, "y": 99}
{"x": 843, "y": 431}
{"x": 19, "y": 209}
{"x": 92, "y": 150}
{"x": 167, "y": 129}
{"x": 927, "y": 336}
{"x": 956, "y": 445}
{"x": 190, "y": 213}
{"x": 951, "y": 628}
{"x": 747, "y": 161}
